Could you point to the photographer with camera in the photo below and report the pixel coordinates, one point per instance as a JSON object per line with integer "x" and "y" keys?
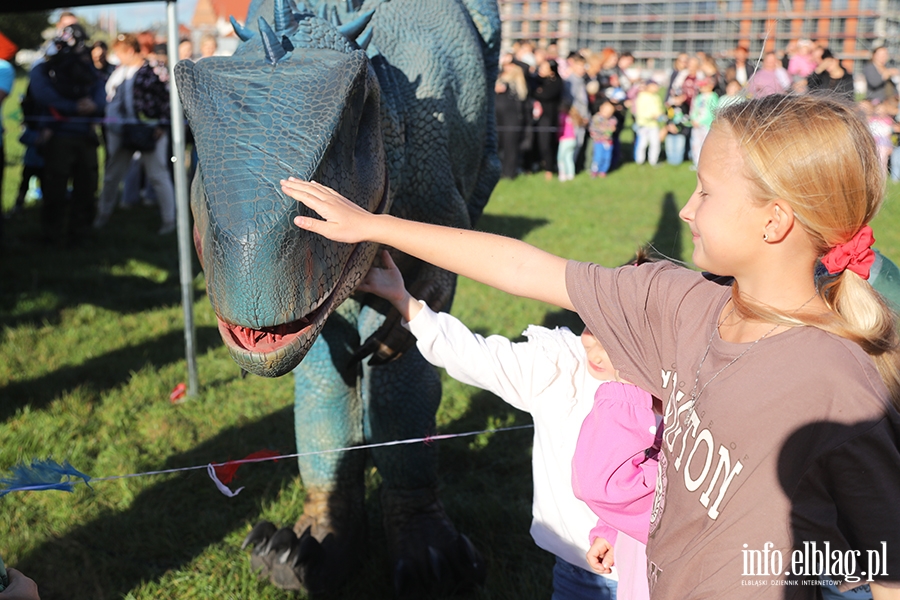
{"x": 71, "y": 89}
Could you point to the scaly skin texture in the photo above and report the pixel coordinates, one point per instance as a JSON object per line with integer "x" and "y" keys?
{"x": 405, "y": 125}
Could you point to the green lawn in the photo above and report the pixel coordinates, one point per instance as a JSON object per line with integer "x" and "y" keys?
{"x": 92, "y": 345}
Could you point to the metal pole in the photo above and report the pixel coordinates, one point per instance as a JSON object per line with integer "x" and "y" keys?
{"x": 185, "y": 239}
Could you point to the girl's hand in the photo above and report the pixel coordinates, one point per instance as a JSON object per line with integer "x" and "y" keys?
{"x": 600, "y": 556}
{"x": 342, "y": 220}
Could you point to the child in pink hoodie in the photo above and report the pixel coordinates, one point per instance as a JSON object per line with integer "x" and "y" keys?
{"x": 614, "y": 468}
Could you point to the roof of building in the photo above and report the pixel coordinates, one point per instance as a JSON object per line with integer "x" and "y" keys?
{"x": 208, "y": 12}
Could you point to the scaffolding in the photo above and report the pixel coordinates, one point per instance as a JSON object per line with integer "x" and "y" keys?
{"x": 656, "y": 32}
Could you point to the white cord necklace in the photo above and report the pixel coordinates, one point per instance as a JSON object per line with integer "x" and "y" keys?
{"x": 695, "y": 395}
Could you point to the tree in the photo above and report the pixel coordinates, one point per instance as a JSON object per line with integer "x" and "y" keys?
{"x": 24, "y": 29}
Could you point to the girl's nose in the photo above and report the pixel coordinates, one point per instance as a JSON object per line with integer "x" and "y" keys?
{"x": 687, "y": 212}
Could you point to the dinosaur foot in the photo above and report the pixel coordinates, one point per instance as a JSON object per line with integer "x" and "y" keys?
{"x": 318, "y": 554}
{"x": 430, "y": 557}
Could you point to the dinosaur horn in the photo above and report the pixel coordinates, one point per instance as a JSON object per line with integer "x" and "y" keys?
{"x": 284, "y": 15}
{"x": 335, "y": 18}
{"x": 322, "y": 13}
{"x": 352, "y": 29}
{"x": 241, "y": 31}
{"x": 363, "y": 40}
{"x": 272, "y": 44}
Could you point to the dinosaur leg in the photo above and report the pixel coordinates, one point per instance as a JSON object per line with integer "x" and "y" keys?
{"x": 428, "y": 554}
{"x": 322, "y": 549}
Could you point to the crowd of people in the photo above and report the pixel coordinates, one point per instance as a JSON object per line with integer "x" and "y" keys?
{"x": 81, "y": 95}
{"x": 560, "y": 115}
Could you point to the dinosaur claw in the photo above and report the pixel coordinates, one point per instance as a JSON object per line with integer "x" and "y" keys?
{"x": 437, "y": 563}
{"x": 406, "y": 584}
{"x": 317, "y": 554}
{"x": 283, "y": 540}
{"x": 430, "y": 556}
{"x": 475, "y": 562}
{"x": 259, "y": 536}
{"x": 368, "y": 347}
{"x": 278, "y": 553}
{"x": 383, "y": 355}
{"x": 309, "y": 550}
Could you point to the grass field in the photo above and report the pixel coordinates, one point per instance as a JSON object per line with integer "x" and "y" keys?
{"x": 92, "y": 345}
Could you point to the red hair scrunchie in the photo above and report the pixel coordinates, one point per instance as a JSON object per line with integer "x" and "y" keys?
{"x": 856, "y": 254}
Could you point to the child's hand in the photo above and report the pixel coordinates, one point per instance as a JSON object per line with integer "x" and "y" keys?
{"x": 342, "y": 220}
{"x": 600, "y": 556}
{"x": 387, "y": 281}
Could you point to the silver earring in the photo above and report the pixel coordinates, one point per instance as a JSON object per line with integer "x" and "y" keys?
{"x": 765, "y": 237}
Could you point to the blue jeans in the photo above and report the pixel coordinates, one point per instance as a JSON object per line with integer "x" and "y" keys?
{"x": 602, "y": 157}
{"x": 565, "y": 158}
{"x": 829, "y": 592}
{"x": 895, "y": 164}
{"x": 675, "y": 148}
{"x": 574, "y": 583}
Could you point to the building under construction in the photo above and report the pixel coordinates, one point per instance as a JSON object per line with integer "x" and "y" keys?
{"x": 655, "y": 32}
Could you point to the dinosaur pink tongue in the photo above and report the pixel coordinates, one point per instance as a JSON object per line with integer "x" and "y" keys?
{"x": 266, "y": 339}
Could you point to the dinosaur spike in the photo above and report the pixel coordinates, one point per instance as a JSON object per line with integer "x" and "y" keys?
{"x": 334, "y": 17}
{"x": 271, "y": 43}
{"x": 284, "y": 15}
{"x": 352, "y": 29}
{"x": 241, "y": 31}
{"x": 351, "y": 7}
{"x": 322, "y": 13}
{"x": 363, "y": 40}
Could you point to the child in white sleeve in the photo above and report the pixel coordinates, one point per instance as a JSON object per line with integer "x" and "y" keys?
{"x": 552, "y": 377}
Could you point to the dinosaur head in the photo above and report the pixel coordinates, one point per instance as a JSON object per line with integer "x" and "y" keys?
{"x": 298, "y": 98}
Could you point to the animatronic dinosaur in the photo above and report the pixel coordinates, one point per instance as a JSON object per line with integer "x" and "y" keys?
{"x": 394, "y": 109}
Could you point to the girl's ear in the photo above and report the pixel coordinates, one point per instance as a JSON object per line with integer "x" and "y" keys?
{"x": 780, "y": 221}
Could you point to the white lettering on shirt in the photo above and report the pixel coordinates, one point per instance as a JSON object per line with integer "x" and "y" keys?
{"x": 687, "y": 429}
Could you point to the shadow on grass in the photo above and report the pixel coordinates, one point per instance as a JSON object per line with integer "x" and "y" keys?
{"x": 102, "y": 372}
{"x": 666, "y": 242}
{"x": 486, "y": 487}
{"x": 664, "y": 245}
{"x": 510, "y": 226}
{"x": 53, "y": 278}
{"x": 167, "y": 525}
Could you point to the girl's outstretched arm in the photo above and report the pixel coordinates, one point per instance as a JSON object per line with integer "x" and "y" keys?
{"x": 507, "y": 264}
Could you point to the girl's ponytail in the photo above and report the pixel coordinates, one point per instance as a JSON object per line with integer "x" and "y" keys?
{"x": 866, "y": 319}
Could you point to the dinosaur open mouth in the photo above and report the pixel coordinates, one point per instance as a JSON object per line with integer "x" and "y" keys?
{"x": 271, "y": 339}
{"x": 268, "y": 339}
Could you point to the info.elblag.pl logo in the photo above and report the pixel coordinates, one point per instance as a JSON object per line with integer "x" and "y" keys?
{"x": 818, "y": 561}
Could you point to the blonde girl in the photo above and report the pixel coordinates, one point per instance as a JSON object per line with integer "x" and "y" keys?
{"x": 780, "y": 446}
